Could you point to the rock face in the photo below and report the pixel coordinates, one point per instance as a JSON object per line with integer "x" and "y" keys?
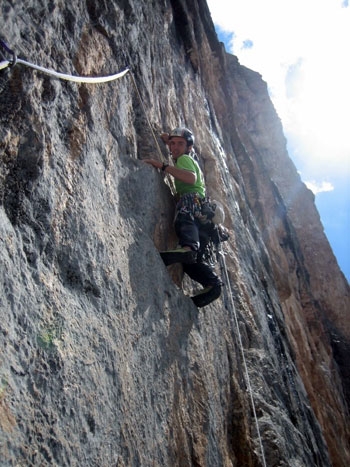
{"x": 104, "y": 359}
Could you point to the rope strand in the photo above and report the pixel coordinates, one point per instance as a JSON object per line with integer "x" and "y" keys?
{"x": 148, "y": 121}
{"x": 64, "y": 76}
{"x": 162, "y": 158}
{"x": 233, "y": 312}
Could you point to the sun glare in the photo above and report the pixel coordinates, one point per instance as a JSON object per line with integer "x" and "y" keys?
{"x": 303, "y": 58}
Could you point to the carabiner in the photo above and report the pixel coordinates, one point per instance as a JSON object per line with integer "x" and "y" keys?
{"x": 10, "y": 51}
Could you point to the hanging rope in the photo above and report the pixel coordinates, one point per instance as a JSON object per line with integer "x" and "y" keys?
{"x": 148, "y": 121}
{"x": 77, "y": 79}
{"x": 162, "y": 158}
{"x": 234, "y": 315}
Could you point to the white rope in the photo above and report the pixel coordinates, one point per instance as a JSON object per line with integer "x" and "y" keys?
{"x": 76, "y": 79}
{"x": 227, "y": 281}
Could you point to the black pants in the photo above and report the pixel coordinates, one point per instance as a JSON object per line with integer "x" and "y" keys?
{"x": 187, "y": 230}
{"x": 193, "y": 234}
{"x": 202, "y": 273}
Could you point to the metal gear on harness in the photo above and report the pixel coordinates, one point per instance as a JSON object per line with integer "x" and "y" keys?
{"x": 215, "y": 234}
{"x": 212, "y": 211}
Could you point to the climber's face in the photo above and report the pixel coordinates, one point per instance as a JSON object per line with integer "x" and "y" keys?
{"x": 178, "y": 146}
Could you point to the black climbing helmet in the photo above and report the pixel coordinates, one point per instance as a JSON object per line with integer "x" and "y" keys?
{"x": 183, "y": 133}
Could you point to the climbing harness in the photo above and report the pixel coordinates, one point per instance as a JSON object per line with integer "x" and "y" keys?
{"x": 190, "y": 204}
{"x": 77, "y": 79}
{"x": 233, "y": 316}
{"x": 204, "y": 210}
{"x": 216, "y": 234}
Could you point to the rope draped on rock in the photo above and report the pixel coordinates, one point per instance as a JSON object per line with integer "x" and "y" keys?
{"x": 77, "y": 79}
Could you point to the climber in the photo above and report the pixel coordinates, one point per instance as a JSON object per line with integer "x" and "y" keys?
{"x": 192, "y": 225}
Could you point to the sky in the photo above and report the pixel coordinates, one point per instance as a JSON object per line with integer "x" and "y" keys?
{"x": 301, "y": 49}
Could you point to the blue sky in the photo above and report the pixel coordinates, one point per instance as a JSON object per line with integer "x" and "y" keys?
{"x": 301, "y": 49}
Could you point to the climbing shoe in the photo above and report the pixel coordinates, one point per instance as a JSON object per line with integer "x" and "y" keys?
{"x": 207, "y": 295}
{"x": 180, "y": 255}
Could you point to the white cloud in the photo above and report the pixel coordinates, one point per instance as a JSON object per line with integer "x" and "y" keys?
{"x": 301, "y": 49}
{"x": 319, "y": 187}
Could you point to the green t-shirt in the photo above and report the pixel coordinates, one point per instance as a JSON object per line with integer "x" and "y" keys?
{"x": 188, "y": 163}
